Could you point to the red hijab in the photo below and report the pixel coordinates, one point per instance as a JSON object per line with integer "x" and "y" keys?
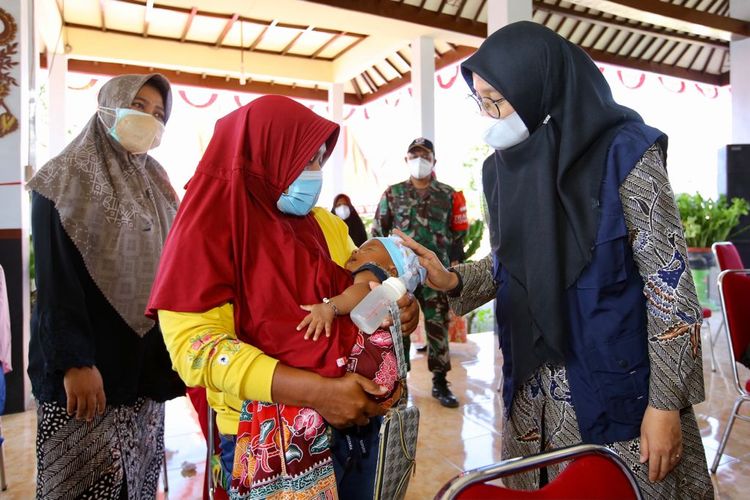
{"x": 229, "y": 242}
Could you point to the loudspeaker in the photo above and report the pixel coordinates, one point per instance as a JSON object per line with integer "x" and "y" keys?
{"x": 737, "y": 171}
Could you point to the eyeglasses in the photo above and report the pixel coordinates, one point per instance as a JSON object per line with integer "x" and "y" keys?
{"x": 489, "y": 106}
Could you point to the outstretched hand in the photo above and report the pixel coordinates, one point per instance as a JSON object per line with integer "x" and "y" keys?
{"x": 438, "y": 277}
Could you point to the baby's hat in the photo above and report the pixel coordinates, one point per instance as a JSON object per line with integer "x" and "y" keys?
{"x": 406, "y": 262}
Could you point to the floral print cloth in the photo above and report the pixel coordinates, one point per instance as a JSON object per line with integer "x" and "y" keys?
{"x": 284, "y": 451}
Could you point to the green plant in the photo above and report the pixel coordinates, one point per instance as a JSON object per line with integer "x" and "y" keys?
{"x": 706, "y": 221}
{"x": 473, "y": 238}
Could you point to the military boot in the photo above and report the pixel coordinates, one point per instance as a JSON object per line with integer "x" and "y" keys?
{"x": 441, "y": 392}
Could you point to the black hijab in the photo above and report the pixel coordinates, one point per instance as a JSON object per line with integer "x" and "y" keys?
{"x": 543, "y": 194}
{"x": 354, "y": 222}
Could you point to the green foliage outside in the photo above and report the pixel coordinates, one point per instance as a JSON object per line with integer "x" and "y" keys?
{"x": 706, "y": 221}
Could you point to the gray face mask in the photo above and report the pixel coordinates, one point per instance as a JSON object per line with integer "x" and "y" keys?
{"x": 506, "y": 132}
{"x": 419, "y": 168}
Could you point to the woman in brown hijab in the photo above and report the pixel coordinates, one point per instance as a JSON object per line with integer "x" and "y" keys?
{"x": 99, "y": 368}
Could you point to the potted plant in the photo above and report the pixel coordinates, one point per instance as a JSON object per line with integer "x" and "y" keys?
{"x": 706, "y": 221}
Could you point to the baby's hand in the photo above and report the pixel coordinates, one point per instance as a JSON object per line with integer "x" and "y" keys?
{"x": 320, "y": 318}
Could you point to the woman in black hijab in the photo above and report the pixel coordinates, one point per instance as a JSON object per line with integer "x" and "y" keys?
{"x": 342, "y": 206}
{"x": 597, "y": 315}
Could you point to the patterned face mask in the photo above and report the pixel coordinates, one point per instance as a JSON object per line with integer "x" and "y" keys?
{"x": 302, "y": 194}
{"x": 136, "y": 131}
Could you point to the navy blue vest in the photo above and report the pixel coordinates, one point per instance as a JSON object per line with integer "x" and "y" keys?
{"x": 607, "y": 363}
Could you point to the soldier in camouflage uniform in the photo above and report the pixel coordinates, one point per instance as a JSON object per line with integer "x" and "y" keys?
{"x": 424, "y": 208}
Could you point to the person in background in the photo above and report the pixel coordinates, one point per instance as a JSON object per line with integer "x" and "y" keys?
{"x": 342, "y": 206}
{"x": 99, "y": 369}
{"x": 598, "y": 318}
{"x": 434, "y": 214}
{"x": 5, "y": 350}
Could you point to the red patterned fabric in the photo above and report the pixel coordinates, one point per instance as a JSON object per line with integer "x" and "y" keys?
{"x": 284, "y": 452}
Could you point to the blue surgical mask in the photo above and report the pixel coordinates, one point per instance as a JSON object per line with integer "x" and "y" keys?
{"x": 302, "y": 194}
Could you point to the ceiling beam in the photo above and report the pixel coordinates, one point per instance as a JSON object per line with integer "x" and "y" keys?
{"x": 367, "y": 51}
{"x": 612, "y": 23}
{"x": 227, "y": 27}
{"x": 357, "y": 90}
{"x": 217, "y": 15}
{"x": 326, "y": 44}
{"x": 671, "y": 16}
{"x": 262, "y": 34}
{"x": 102, "y": 13}
{"x": 411, "y": 14}
{"x": 132, "y": 48}
{"x": 147, "y": 16}
{"x": 662, "y": 69}
{"x": 479, "y": 12}
{"x": 201, "y": 80}
{"x": 188, "y": 23}
{"x": 461, "y": 52}
{"x": 460, "y": 9}
{"x": 294, "y": 40}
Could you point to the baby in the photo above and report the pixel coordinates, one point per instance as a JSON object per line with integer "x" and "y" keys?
{"x": 373, "y": 355}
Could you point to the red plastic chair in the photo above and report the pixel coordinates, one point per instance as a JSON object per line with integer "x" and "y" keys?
{"x": 734, "y": 291}
{"x": 727, "y": 257}
{"x": 595, "y": 473}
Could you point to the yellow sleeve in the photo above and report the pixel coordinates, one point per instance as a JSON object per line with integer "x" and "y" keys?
{"x": 206, "y": 353}
{"x": 336, "y": 233}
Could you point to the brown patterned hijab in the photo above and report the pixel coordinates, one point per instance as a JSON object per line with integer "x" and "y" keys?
{"x": 116, "y": 206}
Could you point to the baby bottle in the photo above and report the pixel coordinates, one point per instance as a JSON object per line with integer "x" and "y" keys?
{"x": 369, "y": 314}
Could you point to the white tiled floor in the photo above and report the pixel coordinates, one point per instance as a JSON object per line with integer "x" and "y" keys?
{"x": 450, "y": 440}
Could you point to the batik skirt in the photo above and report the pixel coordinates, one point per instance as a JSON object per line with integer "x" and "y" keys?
{"x": 116, "y": 455}
{"x": 543, "y": 418}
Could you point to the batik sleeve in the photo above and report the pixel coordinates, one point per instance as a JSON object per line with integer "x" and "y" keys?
{"x": 478, "y": 286}
{"x": 674, "y": 314}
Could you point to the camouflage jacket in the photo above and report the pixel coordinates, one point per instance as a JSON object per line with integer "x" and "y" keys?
{"x": 425, "y": 217}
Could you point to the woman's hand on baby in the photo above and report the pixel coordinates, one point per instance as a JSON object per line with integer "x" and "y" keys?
{"x": 343, "y": 401}
{"x": 319, "y": 320}
{"x": 438, "y": 277}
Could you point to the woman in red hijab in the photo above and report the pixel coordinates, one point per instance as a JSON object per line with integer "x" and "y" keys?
{"x": 246, "y": 222}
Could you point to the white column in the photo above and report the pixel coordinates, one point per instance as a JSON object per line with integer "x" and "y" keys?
{"x": 14, "y": 206}
{"x": 502, "y": 12}
{"x": 739, "y": 79}
{"x": 57, "y": 64}
{"x": 334, "y": 168}
{"x": 423, "y": 86}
